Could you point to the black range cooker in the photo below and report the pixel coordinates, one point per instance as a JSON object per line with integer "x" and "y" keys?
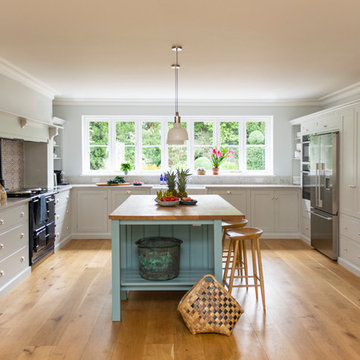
{"x": 41, "y": 221}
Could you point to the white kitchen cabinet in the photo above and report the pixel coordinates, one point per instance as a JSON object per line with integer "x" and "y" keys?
{"x": 321, "y": 123}
{"x": 62, "y": 218}
{"x": 91, "y": 211}
{"x": 118, "y": 196}
{"x": 239, "y": 198}
{"x": 14, "y": 246}
{"x": 276, "y": 211}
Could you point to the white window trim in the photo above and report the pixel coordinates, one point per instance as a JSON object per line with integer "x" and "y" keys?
{"x": 139, "y": 120}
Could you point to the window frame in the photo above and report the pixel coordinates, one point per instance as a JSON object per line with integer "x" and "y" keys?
{"x": 164, "y": 120}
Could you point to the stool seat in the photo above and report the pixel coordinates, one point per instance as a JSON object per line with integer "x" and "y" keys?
{"x": 239, "y": 224}
{"x": 244, "y": 233}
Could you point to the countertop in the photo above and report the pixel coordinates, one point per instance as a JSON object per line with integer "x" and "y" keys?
{"x": 10, "y": 202}
{"x": 208, "y": 207}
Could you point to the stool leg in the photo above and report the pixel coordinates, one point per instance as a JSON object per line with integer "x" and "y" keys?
{"x": 260, "y": 273}
{"x": 227, "y": 263}
{"x": 254, "y": 267}
{"x": 239, "y": 262}
{"x": 235, "y": 259}
{"x": 245, "y": 263}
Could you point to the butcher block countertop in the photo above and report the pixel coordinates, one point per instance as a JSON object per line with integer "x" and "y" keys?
{"x": 208, "y": 207}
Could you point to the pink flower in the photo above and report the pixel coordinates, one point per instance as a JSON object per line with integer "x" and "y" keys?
{"x": 231, "y": 152}
{"x": 220, "y": 153}
{"x": 214, "y": 151}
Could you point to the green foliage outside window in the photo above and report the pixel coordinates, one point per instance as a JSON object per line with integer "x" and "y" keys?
{"x": 98, "y": 156}
{"x": 255, "y": 155}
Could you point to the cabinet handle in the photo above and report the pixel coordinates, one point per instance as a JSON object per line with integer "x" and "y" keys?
{"x": 2, "y": 273}
{"x": 67, "y": 211}
{"x": 2, "y": 221}
{"x": 325, "y": 126}
{"x": 352, "y": 186}
{"x": 128, "y": 192}
{"x": 345, "y": 228}
{"x": 1, "y": 246}
{"x": 228, "y": 192}
{"x": 57, "y": 201}
{"x": 22, "y": 235}
{"x": 22, "y": 259}
{"x": 22, "y": 214}
{"x": 67, "y": 197}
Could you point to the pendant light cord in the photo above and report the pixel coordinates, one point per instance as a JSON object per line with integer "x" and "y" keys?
{"x": 176, "y": 82}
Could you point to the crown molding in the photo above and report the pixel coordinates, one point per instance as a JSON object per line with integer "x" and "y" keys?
{"x": 186, "y": 102}
{"x": 12, "y": 71}
{"x": 346, "y": 92}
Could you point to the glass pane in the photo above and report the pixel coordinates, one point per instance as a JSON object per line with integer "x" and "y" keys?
{"x": 255, "y": 133}
{"x": 177, "y": 157}
{"x": 125, "y": 133}
{"x": 98, "y": 132}
{"x": 229, "y": 133}
{"x": 202, "y": 157}
{"x": 151, "y": 133}
{"x": 203, "y": 133}
{"x": 99, "y": 158}
{"x": 130, "y": 155}
{"x": 255, "y": 158}
{"x": 232, "y": 161}
{"x": 151, "y": 158}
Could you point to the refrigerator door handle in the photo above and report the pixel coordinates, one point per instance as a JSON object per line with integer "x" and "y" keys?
{"x": 322, "y": 216}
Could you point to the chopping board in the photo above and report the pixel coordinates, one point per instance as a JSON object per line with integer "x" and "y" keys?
{"x": 106, "y": 184}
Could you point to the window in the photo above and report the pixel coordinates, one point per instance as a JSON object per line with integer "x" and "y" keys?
{"x": 109, "y": 141}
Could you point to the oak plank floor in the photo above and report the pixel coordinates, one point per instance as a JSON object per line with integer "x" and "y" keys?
{"x": 63, "y": 311}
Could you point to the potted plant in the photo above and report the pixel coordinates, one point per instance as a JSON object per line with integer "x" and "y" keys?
{"x": 125, "y": 167}
{"x": 218, "y": 156}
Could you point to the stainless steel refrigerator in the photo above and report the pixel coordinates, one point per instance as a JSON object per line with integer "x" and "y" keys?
{"x": 324, "y": 193}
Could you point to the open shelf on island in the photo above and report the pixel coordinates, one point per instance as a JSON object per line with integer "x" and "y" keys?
{"x": 131, "y": 280}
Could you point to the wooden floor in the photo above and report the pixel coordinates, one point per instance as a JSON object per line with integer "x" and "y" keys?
{"x": 63, "y": 311}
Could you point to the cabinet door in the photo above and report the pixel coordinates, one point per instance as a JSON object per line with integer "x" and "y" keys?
{"x": 262, "y": 210}
{"x": 287, "y": 211}
{"x": 118, "y": 196}
{"x": 348, "y": 164}
{"x": 92, "y": 211}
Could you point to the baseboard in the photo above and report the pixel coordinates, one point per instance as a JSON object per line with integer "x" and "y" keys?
{"x": 62, "y": 243}
{"x": 15, "y": 281}
{"x": 270, "y": 235}
{"x": 349, "y": 266}
{"x": 306, "y": 239}
{"x": 91, "y": 236}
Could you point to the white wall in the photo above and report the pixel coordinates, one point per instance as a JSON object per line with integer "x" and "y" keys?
{"x": 282, "y": 129}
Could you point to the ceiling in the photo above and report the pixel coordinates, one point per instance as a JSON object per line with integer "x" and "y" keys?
{"x": 232, "y": 49}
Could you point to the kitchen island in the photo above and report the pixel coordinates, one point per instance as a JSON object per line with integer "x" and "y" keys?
{"x": 198, "y": 226}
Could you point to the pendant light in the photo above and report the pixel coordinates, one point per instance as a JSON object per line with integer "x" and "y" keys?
{"x": 177, "y": 134}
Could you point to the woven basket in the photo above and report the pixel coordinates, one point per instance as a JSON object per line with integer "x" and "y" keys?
{"x": 208, "y": 308}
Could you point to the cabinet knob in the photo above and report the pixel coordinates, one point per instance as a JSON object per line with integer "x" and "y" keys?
{"x": 352, "y": 186}
{"x": 2, "y": 273}
{"x": 325, "y": 126}
{"x": 1, "y": 246}
{"x": 2, "y": 221}
{"x": 67, "y": 211}
{"x": 22, "y": 214}
{"x": 67, "y": 196}
{"x": 345, "y": 227}
{"x": 22, "y": 259}
{"x": 128, "y": 192}
{"x": 57, "y": 217}
{"x": 228, "y": 192}
{"x": 22, "y": 235}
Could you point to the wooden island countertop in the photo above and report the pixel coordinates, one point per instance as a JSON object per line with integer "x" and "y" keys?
{"x": 208, "y": 207}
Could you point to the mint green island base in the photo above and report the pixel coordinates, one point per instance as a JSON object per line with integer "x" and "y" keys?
{"x": 200, "y": 252}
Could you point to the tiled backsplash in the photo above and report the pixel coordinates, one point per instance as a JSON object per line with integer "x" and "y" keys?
{"x": 12, "y": 160}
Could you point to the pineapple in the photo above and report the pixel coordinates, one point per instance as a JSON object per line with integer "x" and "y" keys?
{"x": 171, "y": 183}
{"x": 182, "y": 179}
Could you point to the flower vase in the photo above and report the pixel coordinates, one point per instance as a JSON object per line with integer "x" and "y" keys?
{"x": 215, "y": 171}
{"x": 126, "y": 172}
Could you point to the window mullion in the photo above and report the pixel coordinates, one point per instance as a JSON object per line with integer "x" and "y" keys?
{"x": 190, "y": 147}
{"x": 112, "y": 144}
{"x": 164, "y": 147}
{"x": 216, "y": 134}
{"x": 138, "y": 145}
{"x": 242, "y": 145}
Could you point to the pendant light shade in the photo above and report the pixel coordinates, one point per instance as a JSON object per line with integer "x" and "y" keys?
{"x": 177, "y": 134}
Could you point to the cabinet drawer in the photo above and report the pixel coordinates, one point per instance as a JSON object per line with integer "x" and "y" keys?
{"x": 13, "y": 240}
{"x": 350, "y": 250}
{"x": 308, "y": 127}
{"x": 306, "y": 226}
{"x": 306, "y": 208}
{"x": 13, "y": 216}
{"x": 328, "y": 123}
{"x": 13, "y": 265}
{"x": 350, "y": 227}
{"x": 62, "y": 198}
{"x": 61, "y": 213}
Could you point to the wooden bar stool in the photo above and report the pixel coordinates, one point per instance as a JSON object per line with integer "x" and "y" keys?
{"x": 238, "y": 239}
{"x": 227, "y": 226}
